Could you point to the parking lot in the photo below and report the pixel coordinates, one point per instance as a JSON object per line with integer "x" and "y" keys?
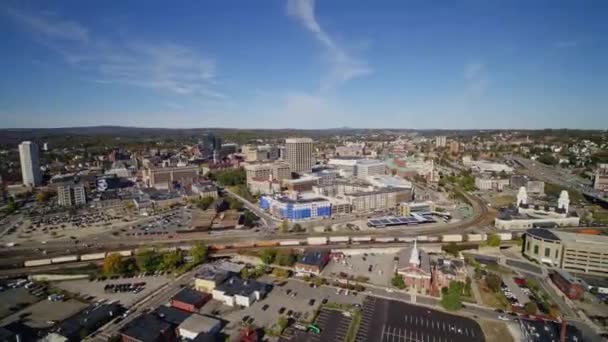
{"x": 281, "y": 301}
{"x": 12, "y": 300}
{"x": 179, "y": 219}
{"x": 44, "y": 313}
{"x": 514, "y": 291}
{"x": 393, "y": 321}
{"x": 375, "y": 266}
{"x": 97, "y": 289}
{"x": 333, "y": 324}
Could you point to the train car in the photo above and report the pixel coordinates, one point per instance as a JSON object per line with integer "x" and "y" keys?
{"x": 39, "y": 262}
{"x": 422, "y": 238}
{"x": 243, "y": 245}
{"x": 359, "y": 239}
{"x": 339, "y": 239}
{"x": 505, "y": 236}
{"x": 433, "y": 238}
{"x": 267, "y": 243}
{"x": 66, "y": 258}
{"x": 384, "y": 239}
{"x": 186, "y": 247}
{"x": 290, "y": 242}
{"x": 406, "y": 239}
{"x": 451, "y": 238}
{"x": 125, "y": 253}
{"x": 167, "y": 249}
{"x": 476, "y": 237}
{"x": 316, "y": 241}
{"x": 217, "y": 247}
{"x": 93, "y": 256}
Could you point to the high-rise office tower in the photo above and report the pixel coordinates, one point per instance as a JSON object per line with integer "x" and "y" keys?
{"x": 298, "y": 153}
{"x": 30, "y": 165}
{"x": 210, "y": 144}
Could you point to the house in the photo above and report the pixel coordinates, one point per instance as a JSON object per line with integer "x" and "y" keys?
{"x": 189, "y": 300}
{"x": 148, "y": 328}
{"x": 237, "y": 291}
{"x": 197, "y": 325}
{"x": 415, "y": 268}
{"x": 208, "y": 276}
{"x": 312, "y": 262}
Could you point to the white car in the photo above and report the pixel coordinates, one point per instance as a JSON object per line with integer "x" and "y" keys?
{"x": 503, "y": 318}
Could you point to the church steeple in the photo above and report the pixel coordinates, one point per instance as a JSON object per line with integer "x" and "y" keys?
{"x": 415, "y": 256}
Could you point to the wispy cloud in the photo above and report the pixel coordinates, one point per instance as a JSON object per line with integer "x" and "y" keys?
{"x": 344, "y": 67}
{"x": 49, "y": 25}
{"x": 565, "y": 44}
{"x": 161, "y": 66}
{"x": 476, "y": 79}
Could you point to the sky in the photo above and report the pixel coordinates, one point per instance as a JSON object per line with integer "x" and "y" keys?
{"x": 304, "y": 64}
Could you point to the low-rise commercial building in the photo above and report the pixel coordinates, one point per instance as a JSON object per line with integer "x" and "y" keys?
{"x": 189, "y": 300}
{"x": 205, "y": 189}
{"x": 240, "y": 292}
{"x": 275, "y": 170}
{"x": 312, "y": 262}
{"x": 209, "y": 276}
{"x": 494, "y": 184}
{"x": 197, "y": 325}
{"x": 572, "y": 287}
{"x": 600, "y": 182}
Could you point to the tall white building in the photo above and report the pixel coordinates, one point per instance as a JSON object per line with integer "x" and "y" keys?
{"x": 30, "y": 165}
{"x": 298, "y": 153}
{"x": 440, "y": 141}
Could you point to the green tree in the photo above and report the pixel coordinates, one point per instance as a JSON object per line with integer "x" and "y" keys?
{"x": 205, "y": 202}
{"x": 235, "y": 204}
{"x": 249, "y": 219}
{"x": 282, "y": 324}
{"x": 112, "y": 264}
{"x": 451, "y": 298}
{"x": 280, "y": 272}
{"x": 171, "y": 260}
{"x": 147, "y": 260}
{"x": 397, "y": 281}
{"x": 267, "y": 255}
{"x": 531, "y": 308}
{"x": 493, "y": 281}
{"x": 199, "y": 252}
{"x": 467, "y": 287}
{"x": 451, "y": 248}
{"x": 284, "y": 228}
{"x": 493, "y": 240}
{"x": 297, "y": 227}
{"x": 285, "y": 257}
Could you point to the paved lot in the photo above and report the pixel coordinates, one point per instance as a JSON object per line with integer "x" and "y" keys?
{"x": 277, "y": 299}
{"x": 333, "y": 324}
{"x": 40, "y": 315}
{"x": 524, "y": 266}
{"x": 96, "y": 288}
{"x": 13, "y": 298}
{"x": 391, "y": 321}
{"x": 517, "y": 291}
{"x": 382, "y": 267}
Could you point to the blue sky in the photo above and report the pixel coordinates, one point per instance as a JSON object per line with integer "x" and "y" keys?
{"x": 304, "y": 64}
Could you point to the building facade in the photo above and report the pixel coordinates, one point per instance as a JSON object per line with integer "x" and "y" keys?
{"x": 165, "y": 178}
{"x": 569, "y": 251}
{"x": 296, "y": 210}
{"x": 600, "y": 182}
{"x": 71, "y": 195}
{"x": 440, "y": 141}
{"x": 298, "y": 154}
{"x": 380, "y": 199}
{"x": 276, "y": 170}
{"x": 414, "y": 266}
{"x": 30, "y": 164}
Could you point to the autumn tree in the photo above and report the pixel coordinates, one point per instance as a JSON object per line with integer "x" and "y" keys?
{"x": 112, "y": 264}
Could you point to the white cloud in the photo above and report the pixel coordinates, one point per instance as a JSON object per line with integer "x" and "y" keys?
{"x": 161, "y": 66}
{"x": 476, "y": 79}
{"x": 344, "y": 67}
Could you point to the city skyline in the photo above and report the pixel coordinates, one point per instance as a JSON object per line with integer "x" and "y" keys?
{"x": 305, "y": 64}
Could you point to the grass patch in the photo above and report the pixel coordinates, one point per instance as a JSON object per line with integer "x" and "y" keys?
{"x": 354, "y": 326}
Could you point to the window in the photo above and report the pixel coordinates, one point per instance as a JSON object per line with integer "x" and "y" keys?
{"x": 547, "y": 252}
{"x": 536, "y": 250}
{"x": 556, "y": 253}
{"x": 528, "y": 246}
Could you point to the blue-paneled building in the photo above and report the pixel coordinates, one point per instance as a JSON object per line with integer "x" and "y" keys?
{"x": 296, "y": 210}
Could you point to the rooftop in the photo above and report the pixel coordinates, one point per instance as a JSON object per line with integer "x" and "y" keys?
{"x": 199, "y": 323}
{"x": 190, "y": 296}
{"x": 405, "y": 255}
{"x": 599, "y": 240}
{"x": 313, "y": 258}
{"x": 542, "y": 234}
{"x": 88, "y": 319}
{"x": 237, "y": 286}
{"x": 146, "y": 328}
{"x": 171, "y": 315}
